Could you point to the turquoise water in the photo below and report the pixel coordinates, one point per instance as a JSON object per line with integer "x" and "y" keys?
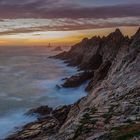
{"x": 28, "y": 79}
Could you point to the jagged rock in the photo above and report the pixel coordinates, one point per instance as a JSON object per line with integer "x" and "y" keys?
{"x": 37, "y": 129}
{"x": 61, "y": 113}
{"x": 90, "y": 53}
{"x": 41, "y": 111}
{"x": 78, "y": 79}
{"x": 119, "y": 84}
{"x": 81, "y": 53}
{"x": 93, "y": 54}
{"x": 45, "y": 125}
{"x": 100, "y": 74}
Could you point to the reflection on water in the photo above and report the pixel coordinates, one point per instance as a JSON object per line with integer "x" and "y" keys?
{"x": 28, "y": 79}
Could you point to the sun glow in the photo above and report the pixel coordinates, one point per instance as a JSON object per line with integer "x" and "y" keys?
{"x": 64, "y": 38}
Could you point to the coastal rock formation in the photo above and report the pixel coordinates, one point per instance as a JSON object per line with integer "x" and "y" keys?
{"x": 91, "y": 53}
{"x": 96, "y": 54}
{"x": 78, "y": 79}
{"x": 48, "y": 123}
{"x": 40, "y": 111}
{"x": 111, "y": 111}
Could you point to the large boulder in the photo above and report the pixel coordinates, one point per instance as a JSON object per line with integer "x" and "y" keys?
{"x": 40, "y": 111}
{"x": 78, "y": 79}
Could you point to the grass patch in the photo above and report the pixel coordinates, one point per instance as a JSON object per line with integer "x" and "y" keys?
{"x": 126, "y": 132}
{"x": 83, "y": 127}
{"x": 108, "y": 115}
{"x": 93, "y": 110}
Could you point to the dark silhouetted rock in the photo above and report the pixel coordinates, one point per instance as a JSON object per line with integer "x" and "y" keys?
{"x": 78, "y": 79}
{"x": 61, "y": 113}
{"x": 41, "y": 111}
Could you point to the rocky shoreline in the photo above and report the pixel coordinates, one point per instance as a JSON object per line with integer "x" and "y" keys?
{"x": 48, "y": 122}
{"x": 111, "y": 110}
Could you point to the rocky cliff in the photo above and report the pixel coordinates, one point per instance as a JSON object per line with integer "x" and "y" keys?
{"x": 96, "y": 54}
{"x": 111, "y": 111}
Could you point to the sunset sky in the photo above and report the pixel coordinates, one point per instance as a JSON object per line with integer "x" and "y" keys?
{"x": 64, "y": 22}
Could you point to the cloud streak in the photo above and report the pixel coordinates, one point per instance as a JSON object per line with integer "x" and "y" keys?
{"x": 63, "y": 9}
{"x": 33, "y": 16}
{"x": 37, "y": 25}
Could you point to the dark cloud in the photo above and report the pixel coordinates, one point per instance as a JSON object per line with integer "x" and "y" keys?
{"x": 63, "y": 9}
{"x": 94, "y": 12}
{"x": 70, "y": 14}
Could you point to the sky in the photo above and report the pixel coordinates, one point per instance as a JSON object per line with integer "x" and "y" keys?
{"x": 64, "y": 22}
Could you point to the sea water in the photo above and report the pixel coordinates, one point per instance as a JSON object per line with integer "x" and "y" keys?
{"x": 29, "y": 79}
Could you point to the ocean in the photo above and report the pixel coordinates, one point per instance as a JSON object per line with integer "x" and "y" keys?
{"x": 29, "y": 79}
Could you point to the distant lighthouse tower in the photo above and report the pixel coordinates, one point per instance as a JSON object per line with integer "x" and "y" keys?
{"x": 49, "y": 45}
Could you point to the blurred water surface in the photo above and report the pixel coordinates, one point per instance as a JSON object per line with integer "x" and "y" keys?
{"x": 28, "y": 79}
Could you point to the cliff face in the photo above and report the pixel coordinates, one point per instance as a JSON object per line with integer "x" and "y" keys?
{"x": 111, "y": 111}
{"x": 96, "y": 54}
{"x": 91, "y": 53}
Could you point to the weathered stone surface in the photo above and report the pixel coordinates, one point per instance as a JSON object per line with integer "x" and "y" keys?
{"x": 44, "y": 126}
{"x": 81, "y": 53}
{"x": 115, "y": 94}
{"x": 41, "y": 111}
{"x": 96, "y": 54}
{"x": 61, "y": 113}
{"x": 78, "y": 79}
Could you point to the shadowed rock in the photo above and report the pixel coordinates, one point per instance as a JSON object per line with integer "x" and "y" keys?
{"x": 78, "y": 79}
{"x": 45, "y": 125}
{"x": 40, "y": 111}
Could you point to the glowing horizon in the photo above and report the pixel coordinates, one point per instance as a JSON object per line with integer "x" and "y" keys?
{"x": 65, "y": 38}
{"x": 62, "y": 22}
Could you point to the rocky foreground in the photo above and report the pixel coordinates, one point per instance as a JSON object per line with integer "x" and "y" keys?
{"x": 111, "y": 110}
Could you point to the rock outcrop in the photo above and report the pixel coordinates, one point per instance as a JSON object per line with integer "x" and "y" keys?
{"x": 91, "y": 53}
{"x": 111, "y": 111}
{"x": 95, "y": 54}
{"x": 40, "y": 111}
{"x": 78, "y": 79}
{"x": 48, "y": 123}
